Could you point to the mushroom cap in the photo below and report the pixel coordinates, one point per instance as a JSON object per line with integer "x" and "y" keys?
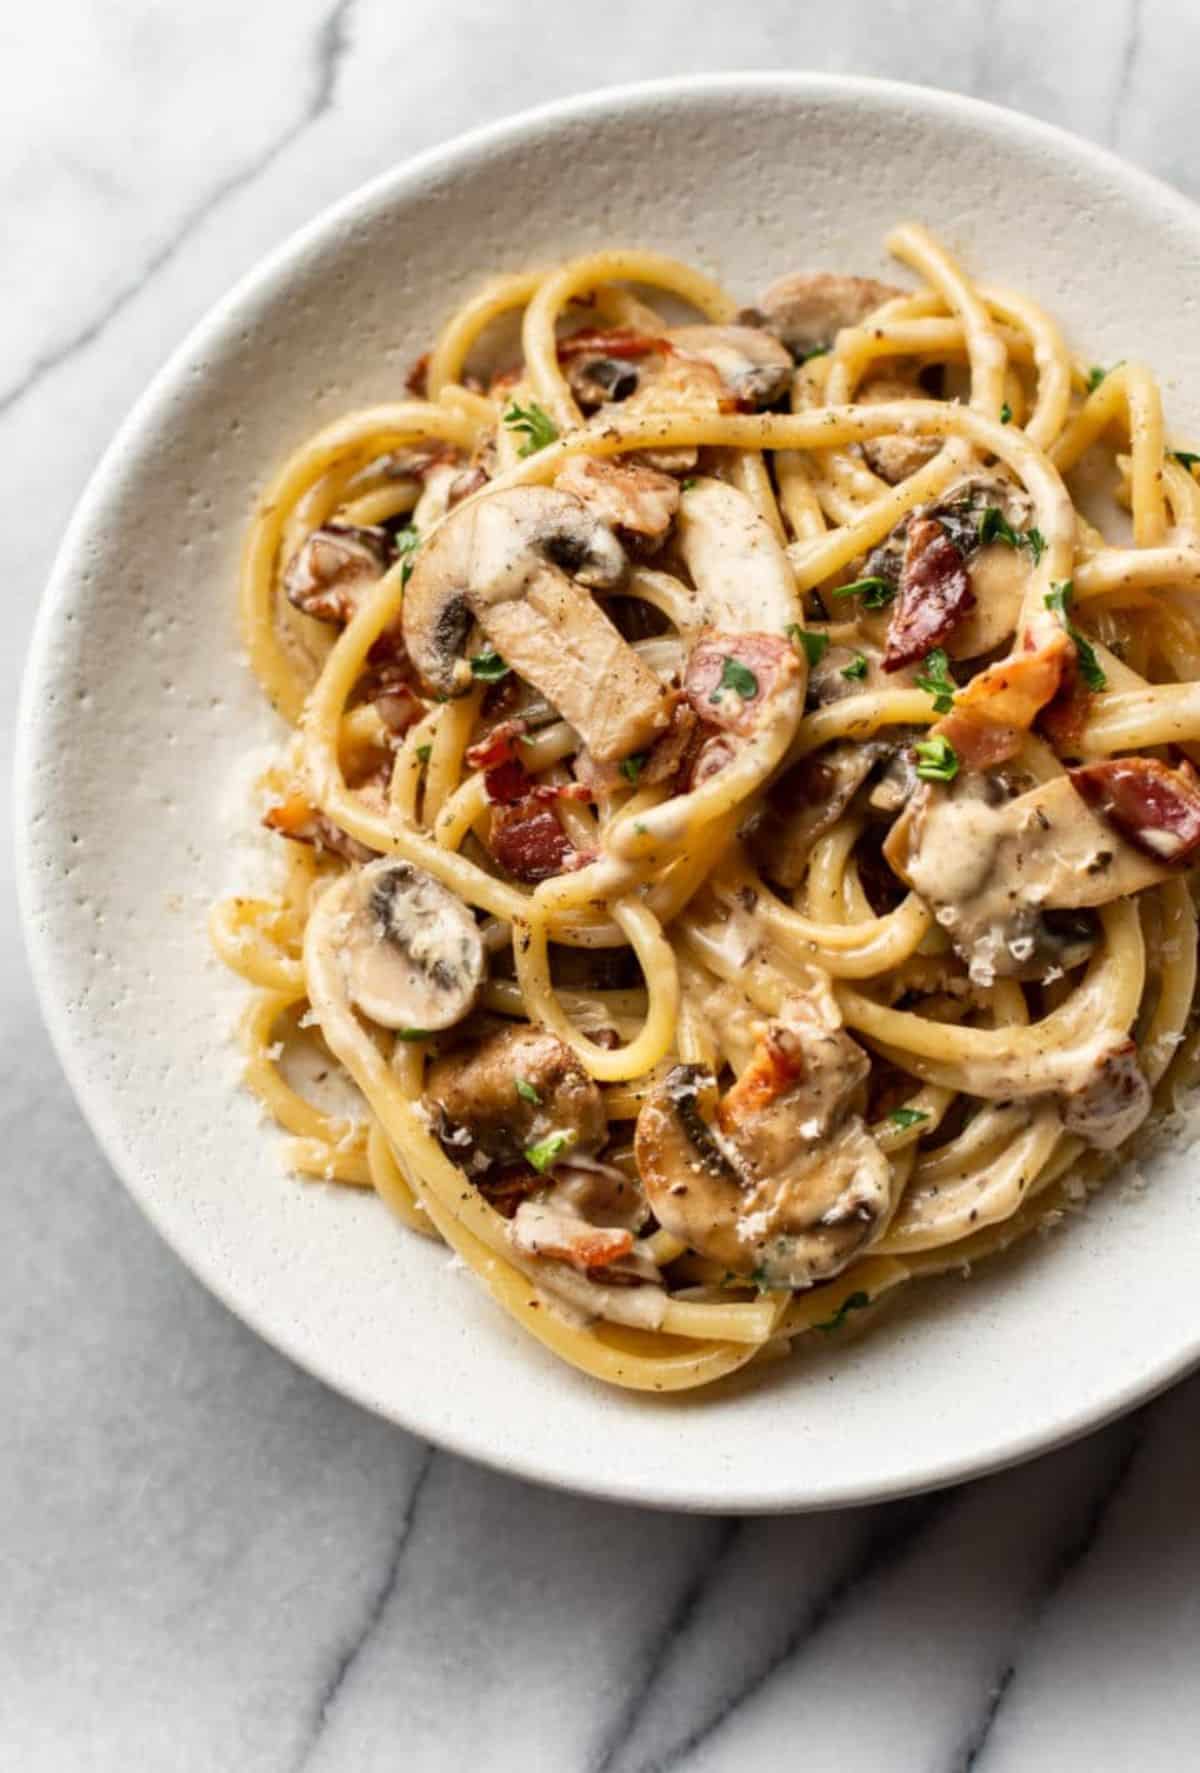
{"x": 752, "y": 363}
{"x": 809, "y": 308}
{"x": 410, "y": 950}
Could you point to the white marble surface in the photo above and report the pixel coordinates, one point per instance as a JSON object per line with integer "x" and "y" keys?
{"x": 207, "y": 1561}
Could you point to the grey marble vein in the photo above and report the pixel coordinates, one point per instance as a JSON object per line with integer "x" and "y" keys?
{"x": 208, "y": 1561}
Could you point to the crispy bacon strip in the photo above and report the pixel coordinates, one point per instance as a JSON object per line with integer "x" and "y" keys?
{"x": 773, "y": 1070}
{"x": 1157, "y": 808}
{"x": 617, "y": 341}
{"x": 992, "y": 715}
{"x": 935, "y": 590}
{"x": 566, "y": 1239}
{"x": 297, "y": 819}
{"x": 527, "y": 839}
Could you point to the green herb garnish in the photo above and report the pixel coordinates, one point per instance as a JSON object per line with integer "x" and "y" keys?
{"x": 424, "y": 753}
{"x": 814, "y": 351}
{"x": 857, "y": 667}
{"x": 548, "y": 1150}
{"x": 1006, "y": 414}
{"x": 406, "y": 541}
{"x": 488, "y": 667}
{"x": 413, "y": 1033}
{"x": 875, "y": 593}
{"x": 1058, "y": 598}
{"x": 538, "y": 426}
{"x": 853, "y": 1302}
{"x": 1187, "y": 458}
{"x": 758, "y": 1277}
{"x": 936, "y": 680}
{"x": 1095, "y": 376}
{"x": 527, "y": 1093}
{"x": 632, "y": 767}
{"x": 736, "y": 677}
{"x": 995, "y": 527}
{"x": 814, "y": 646}
{"x": 937, "y": 760}
{"x": 688, "y": 484}
{"x": 907, "y": 1117}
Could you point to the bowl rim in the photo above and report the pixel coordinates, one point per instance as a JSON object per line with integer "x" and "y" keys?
{"x": 96, "y": 1105}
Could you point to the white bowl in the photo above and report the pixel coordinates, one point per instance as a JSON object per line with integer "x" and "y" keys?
{"x": 138, "y": 714}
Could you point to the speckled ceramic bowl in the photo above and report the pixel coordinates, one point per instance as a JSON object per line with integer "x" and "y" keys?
{"x": 139, "y": 715}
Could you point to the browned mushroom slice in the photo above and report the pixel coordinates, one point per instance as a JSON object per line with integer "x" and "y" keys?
{"x": 333, "y": 569}
{"x": 994, "y": 870}
{"x": 519, "y": 1090}
{"x": 789, "y": 1185}
{"x": 895, "y": 457}
{"x": 807, "y": 309}
{"x": 410, "y": 951}
{"x": 753, "y": 365}
{"x": 1113, "y": 1100}
{"x": 520, "y": 564}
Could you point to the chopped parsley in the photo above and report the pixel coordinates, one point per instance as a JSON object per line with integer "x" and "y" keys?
{"x": 813, "y": 646}
{"x": 936, "y": 680}
{"x": 995, "y": 527}
{"x": 1006, "y": 414}
{"x": 488, "y": 667}
{"x": 413, "y": 1033}
{"x": 1058, "y": 598}
{"x": 632, "y": 767}
{"x": 639, "y": 828}
{"x": 1095, "y": 376}
{"x": 852, "y": 1302}
{"x": 814, "y": 351}
{"x": 759, "y": 1278}
{"x": 857, "y": 667}
{"x": 547, "y": 1151}
{"x": 688, "y": 484}
{"x": 907, "y": 1117}
{"x": 937, "y": 760}
{"x": 406, "y": 542}
{"x": 875, "y": 593}
{"x": 538, "y": 426}
{"x": 1187, "y": 458}
{"x": 424, "y": 753}
{"x": 527, "y": 1092}
{"x": 736, "y": 677}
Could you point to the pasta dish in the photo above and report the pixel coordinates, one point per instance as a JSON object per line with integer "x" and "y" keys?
{"x": 735, "y": 832}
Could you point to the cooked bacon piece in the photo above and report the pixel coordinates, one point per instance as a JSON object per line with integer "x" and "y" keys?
{"x": 303, "y": 823}
{"x": 539, "y": 1230}
{"x": 777, "y": 1063}
{"x": 980, "y": 743}
{"x": 417, "y": 379}
{"x": 707, "y": 759}
{"x": 527, "y": 839}
{"x": 664, "y": 760}
{"x": 1155, "y": 807}
{"x": 617, "y": 341}
{"x": 506, "y": 1188}
{"x": 993, "y": 713}
{"x": 333, "y": 567}
{"x": 729, "y": 676}
{"x": 1065, "y": 716}
{"x": 498, "y": 746}
{"x": 935, "y": 590}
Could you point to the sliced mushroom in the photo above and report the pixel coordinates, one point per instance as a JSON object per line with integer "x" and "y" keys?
{"x": 753, "y": 365}
{"x": 515, "y": 1090}
{"x": 410, "y": 951}
{"x": 807, "y": 309}
{"x": 992, "y": 869}
{"x": 604, "y": 367}
{"x": 789, "y": 1185}
{"x": 518, "y": 563}
{"x": 334, "y": 568}
{"x": 741, "y": 573}
{"x": 624, "y": 495}
{"x": 804, "y": 803}
{"x": 894, "y": 458}
{"x": 1112, "y": 1102}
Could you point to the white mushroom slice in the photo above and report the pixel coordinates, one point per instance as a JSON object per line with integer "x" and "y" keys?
{"x": 737, "y": 564}
{"x": 807, "y": 309}
{"x": 754, "y": 366}
{"x": 410, "y": 951}
{"x": 789, "y": 1186}
{"x": 334, "y": 568}
{"x": 894, "y": 458}
{"x": 623, "y": 494}
{"x": 990, "y": 869}
{"x": 518, "y": 563}
{"x": 434, "y": 501}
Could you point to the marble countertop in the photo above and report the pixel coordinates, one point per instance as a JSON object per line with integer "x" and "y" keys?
{"x": 208, "y": 1560}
